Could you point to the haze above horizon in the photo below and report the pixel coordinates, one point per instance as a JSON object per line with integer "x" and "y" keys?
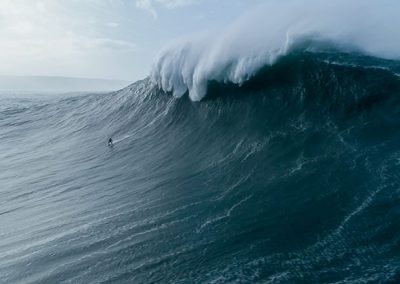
{"x": 101, "y": 38}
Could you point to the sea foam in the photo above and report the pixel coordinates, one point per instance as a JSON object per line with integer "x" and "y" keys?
{"x": 262, "y": 35}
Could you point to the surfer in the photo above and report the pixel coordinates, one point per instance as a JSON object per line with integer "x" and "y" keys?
{"x": 110, "y": 142}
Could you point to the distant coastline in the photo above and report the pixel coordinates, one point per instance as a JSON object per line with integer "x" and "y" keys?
{"x": 53, "y": 84}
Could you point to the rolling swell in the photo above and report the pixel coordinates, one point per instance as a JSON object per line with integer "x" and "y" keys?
{"x": 292, "y": 176}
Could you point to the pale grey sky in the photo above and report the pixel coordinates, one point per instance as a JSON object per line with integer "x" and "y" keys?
{"x": 115, "y": 39}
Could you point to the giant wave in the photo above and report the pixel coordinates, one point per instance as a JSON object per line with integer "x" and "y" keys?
{"x": 291, "y": 177}
{"x": 287, "y": 171}
{"x": 274, "y": 29}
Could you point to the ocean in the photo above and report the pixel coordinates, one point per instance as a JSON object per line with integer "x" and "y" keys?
{"x": 292, "y": 176}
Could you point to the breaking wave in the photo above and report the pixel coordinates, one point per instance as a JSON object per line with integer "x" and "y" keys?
{"x": 288, "y": 170}
{"x": 277, "y": 28}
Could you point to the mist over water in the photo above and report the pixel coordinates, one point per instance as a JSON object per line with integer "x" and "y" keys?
{"x": 274, "y": 29}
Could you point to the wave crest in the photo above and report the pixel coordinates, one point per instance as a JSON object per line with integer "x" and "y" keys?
{"x": 274, "y": 29}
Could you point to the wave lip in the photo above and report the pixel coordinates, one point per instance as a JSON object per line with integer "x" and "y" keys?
{"x": 263, "y": 35}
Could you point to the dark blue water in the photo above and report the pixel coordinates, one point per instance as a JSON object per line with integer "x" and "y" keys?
{"x": 292, "y": 178}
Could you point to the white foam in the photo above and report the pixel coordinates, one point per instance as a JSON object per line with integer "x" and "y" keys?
{"x": 225, "y": 215}
{"x": 262, "y": 35}
{"x": 122, "y": 139}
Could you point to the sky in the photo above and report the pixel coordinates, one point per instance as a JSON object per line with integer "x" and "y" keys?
{"x": 110, "y": 39}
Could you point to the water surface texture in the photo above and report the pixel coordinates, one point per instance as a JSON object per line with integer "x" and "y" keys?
{"x": 294, "y": 177}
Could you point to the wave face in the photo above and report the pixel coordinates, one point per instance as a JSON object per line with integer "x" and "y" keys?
{"x": 292, "y": 177}
{"x": 272, "y": 30}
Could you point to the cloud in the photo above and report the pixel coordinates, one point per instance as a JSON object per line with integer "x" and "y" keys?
{"x": 146, "y": 5}
{"x": 149, "y": 5}
{"x": 176, "y": 3}
{"x": 50, "y": 37}
{"x": 112, "y": 24}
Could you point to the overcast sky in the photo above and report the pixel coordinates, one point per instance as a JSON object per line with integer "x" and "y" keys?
{"x": 115, "y": 39}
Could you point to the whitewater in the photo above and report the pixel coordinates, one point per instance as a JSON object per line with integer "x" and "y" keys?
{"x": 263, "y": 157}
{"x": 261, "y": 36}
